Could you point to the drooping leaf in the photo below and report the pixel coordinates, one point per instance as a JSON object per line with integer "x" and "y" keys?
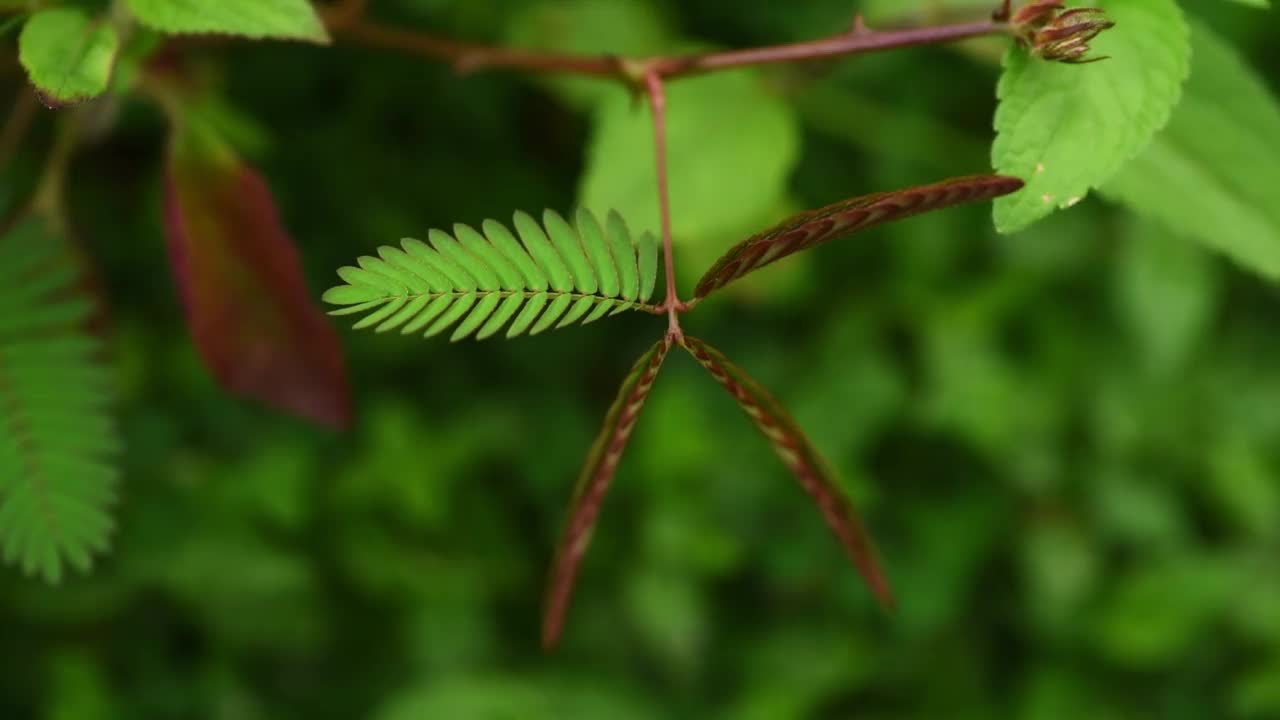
{"x": 1067, "y": 129}
{"x": 57, "y": 439}
{"x": 839, "y": 220}
{"x": 68, "y": 55}
{"x": 593, "y": 483}
{"x": 810, "y": 469}
{"x": 559, "y": 275}
{"x": 241, "y": 284}
{"x": 1212, "y": 173}
{"x": 279, "y": 19}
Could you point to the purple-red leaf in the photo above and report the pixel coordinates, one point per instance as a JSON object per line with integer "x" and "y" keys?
{"x": 241, "y": 284}
{"x": 814, "y": 227}
{"x": 791, "y": 445}
{"x": 597, "y": 473}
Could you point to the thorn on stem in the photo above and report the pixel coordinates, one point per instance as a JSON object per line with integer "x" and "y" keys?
{"x": 859, "y": 26}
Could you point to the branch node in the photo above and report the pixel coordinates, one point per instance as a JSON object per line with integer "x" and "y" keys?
{"x": 859, "y": 26}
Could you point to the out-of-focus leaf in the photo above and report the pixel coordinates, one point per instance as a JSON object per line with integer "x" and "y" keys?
{"x": 810, "y": 469}
{"x": 1212, "y": 173}
{"x": 240, "y": 280}
{"x": 499, "y": 697}
{"x": 1156, "y": 613}
{"x": 1067, "y": 128}
{"x": 1167, "y": 292}
{"x": 627, "y": 28}
{"x": 57, "y": 437}
{"x": 68, "y": 55}
{"x": 727, "y": 137}
{"x": 839, "y": 220}
{"x": 279, "y": 19}
{"x": 78, "y": 688}
{"x": 593, "y": 482}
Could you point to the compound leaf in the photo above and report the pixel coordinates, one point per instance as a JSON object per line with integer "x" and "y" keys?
{"x": 57, "y": 440}
{"x": 791, "y": 445}
{"x": 593, "y": 482}
{"x": 839, "y": 220}
{"x": 559, "y": 276}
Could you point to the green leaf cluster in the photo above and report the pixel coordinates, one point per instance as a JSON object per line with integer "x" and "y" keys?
{"x": 553, "y": 277}
{"x": 57, "y": 438}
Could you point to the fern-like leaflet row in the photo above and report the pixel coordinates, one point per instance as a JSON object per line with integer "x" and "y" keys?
{"x": 57, "y": 439}
{"x": 838, "y": 220}
{"x": 483, "y": 282}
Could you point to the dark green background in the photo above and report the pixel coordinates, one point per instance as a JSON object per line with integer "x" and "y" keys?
{"x": 1065, "y": 441}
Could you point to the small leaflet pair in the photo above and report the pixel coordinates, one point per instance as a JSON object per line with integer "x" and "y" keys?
{"x": 477, "y": 283}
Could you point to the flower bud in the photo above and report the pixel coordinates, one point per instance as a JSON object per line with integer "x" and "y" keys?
{"x": 1055, "y": 34}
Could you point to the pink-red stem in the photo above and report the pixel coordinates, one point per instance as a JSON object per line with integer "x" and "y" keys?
{"x": 658, "y": 101}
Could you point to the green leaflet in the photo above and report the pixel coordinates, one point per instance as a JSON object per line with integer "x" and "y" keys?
{"x": 1212, "y": 174}
{"x": 57, "y": 439}
{"x": 68, "y": 55}
{"x": 1066, "y": 129}
{"x": 800, "y": 457}
{"x": 281, "y": 19}
{"x": 550, "y": 277}
{"x": 593, "y": 482}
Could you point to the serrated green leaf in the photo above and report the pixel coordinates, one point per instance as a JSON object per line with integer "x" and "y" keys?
{"x": 67, "y": 54}
{"x": 1212, "y": 174}
{"x": 57, "y": 442}
{"x": 593, "y": 482}
{"x": 277, "y": 19}
{"x": 800, "y": 457}
{"x": 1067, "y": 129}
{"x": 486, "y": 281}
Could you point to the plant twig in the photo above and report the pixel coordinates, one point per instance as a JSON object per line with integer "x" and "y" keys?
{"x": 860, "y": 41}
{"x": 658, "y": 101}
{"x": 468, "y": 56}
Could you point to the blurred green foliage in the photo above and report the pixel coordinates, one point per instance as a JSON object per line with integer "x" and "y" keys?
{"x": 1065, "y": 440}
